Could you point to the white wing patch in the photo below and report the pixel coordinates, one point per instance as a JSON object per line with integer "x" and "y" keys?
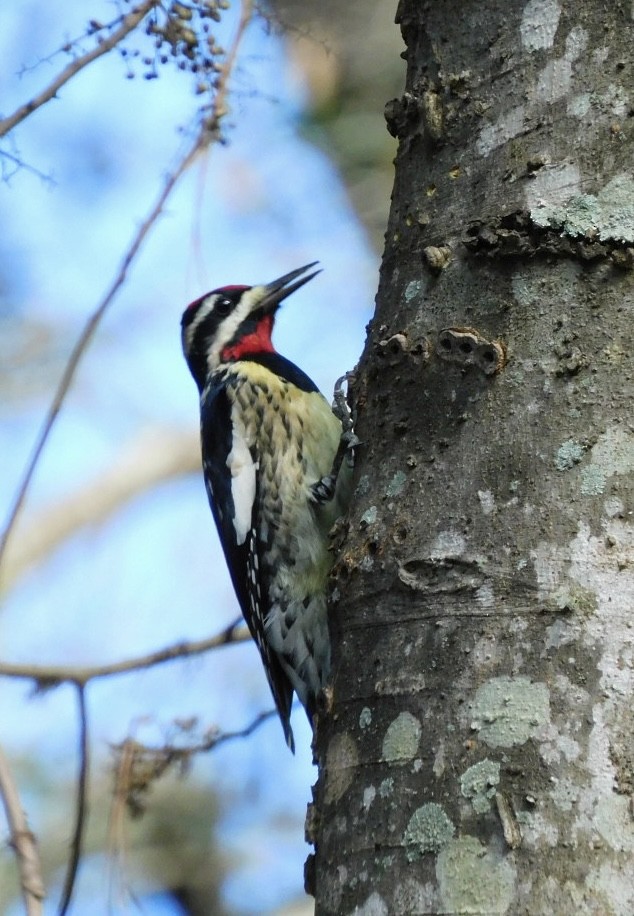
{"x": 242, "y": 468}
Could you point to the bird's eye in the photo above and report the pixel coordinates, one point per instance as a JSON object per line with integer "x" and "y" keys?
{"x": 223, "y": 306}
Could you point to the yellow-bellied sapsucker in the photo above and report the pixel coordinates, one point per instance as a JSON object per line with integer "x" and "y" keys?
{"x": 275, "y": 478}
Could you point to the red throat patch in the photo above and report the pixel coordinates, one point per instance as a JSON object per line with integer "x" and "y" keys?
{"x": 258, "y": 341}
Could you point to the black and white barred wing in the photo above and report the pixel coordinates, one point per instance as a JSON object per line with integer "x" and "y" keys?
{"x": 231, "y": 469}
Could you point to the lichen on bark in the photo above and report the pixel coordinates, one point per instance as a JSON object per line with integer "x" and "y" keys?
{"x": 489, "y": 599}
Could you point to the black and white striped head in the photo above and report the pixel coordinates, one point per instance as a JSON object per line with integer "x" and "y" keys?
{"x": 233, "y": 321}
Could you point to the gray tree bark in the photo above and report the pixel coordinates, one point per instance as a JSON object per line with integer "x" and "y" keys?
{"x": 478, "y": 755}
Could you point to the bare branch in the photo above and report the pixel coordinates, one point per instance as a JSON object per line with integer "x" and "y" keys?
{"x": 156, "y": 455}
{"x": 128, "y": 24}
{"x": 81, "y": 808}
{"x": 209, "y": 132}
{"x": 88, "y": 332}
{"x": 223, "y": 737}
{"x": 139, "y": 766}
{"x": 48, "y": 676}
{"x": 22, "y": 841}
{"x": 18, "y": 164}
{"x": 116, "y": 817}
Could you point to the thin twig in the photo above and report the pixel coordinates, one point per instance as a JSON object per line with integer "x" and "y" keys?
{"x": 207, "y": 134}
{"x": 128, "y": 24}
{"x": 22, "y": 841}
{"x": 94, "y": 28}
{"x": 81, "y": 807}
{"x": 223, "y": 737}
{"x": 87, "y": 334}
{"x": 48, "y": 676}
{"x": 139, "y": 765}
{"x": 17, "y": 162}
{"x": 117, "y": 837}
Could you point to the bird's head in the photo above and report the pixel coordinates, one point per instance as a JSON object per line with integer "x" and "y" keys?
{"x": 232, "y": 322}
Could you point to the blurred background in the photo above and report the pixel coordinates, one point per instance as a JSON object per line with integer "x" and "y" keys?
{"x": 116, "y": 554}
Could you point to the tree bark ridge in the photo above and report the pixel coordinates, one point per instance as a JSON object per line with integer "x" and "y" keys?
{"x": 478, "y": 753}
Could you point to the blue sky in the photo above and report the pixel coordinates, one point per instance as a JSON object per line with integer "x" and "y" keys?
{"x": 153, "y": 575}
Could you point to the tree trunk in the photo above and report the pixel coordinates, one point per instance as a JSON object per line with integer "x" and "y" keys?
{"x": 478, "y": 754}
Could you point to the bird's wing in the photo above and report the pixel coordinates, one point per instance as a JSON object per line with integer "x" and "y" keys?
{"x": 232, "y": 482}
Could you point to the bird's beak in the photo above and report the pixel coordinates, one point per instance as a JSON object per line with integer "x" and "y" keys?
{"x": 279, "y": 289}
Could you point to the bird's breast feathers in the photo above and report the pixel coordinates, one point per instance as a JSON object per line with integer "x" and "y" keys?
{"x": 283, "y": 440}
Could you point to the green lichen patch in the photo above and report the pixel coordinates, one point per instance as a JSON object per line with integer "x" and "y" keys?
{"x": 479, "y": 783}
{"x": 613, "y": 819}
{"x": 368, "y": 517}
{"x": 365, "y": 717}
{"x": 607, "y": 216}
{"x": 472, "y": 879}
{"x": 617, "y": 209}
{"x": 568, "y": 454}
{"x": 610, "y": 885}
{"x": 538, "y": 27}
{"x": 428, "y": 830}
{"x": 509, "y": 710}
{"x": 593, "y": 481}
{"x": 342, "y": 758}
{"x": 574, "y": 599}
{"x": 401, "y": 738}
{"x": 614, "y": 452}
{"x": 396, "y": 484}
{"x": 412, "y": 290}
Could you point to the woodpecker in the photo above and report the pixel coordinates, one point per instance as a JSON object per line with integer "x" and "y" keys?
{"x": 270, "y": 443}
